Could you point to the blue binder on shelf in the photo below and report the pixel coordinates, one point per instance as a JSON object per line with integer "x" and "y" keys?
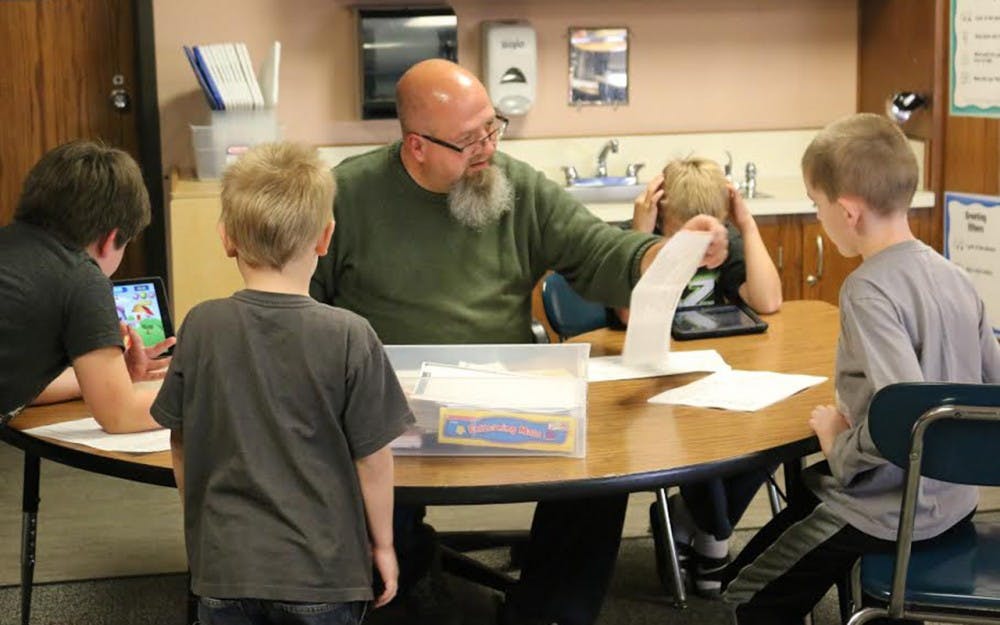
{"x": 205, "y": 79}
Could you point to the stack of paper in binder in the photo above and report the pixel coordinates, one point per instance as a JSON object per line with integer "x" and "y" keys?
{"x": 243, "y": 103}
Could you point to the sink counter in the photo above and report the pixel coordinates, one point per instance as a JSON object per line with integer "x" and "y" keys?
{"x": 789, "y": 198}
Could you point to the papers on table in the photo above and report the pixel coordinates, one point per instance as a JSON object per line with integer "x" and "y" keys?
{"x": 88, "y": 432}
{"x": 738, "y": 390}
{"x": 606, "y": 368}
{"x": 655, "y": 297}
{"x": 468, "y": 386}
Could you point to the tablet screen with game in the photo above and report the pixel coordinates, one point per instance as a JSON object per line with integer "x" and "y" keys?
{"x": 701, "y": 322}
{"x": 142, "y": 304}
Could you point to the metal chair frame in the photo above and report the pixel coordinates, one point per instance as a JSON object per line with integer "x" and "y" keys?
{"x": 897, "y": 607}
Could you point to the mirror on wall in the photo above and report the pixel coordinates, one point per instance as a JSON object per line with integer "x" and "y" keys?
{"x": 598, "y": 66}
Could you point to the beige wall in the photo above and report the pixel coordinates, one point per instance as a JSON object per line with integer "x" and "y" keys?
{"x": 695, "y": 65}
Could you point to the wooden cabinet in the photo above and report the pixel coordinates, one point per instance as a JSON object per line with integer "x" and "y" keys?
{"x": 198, "y": 266}
{"x": 808, "y": 262}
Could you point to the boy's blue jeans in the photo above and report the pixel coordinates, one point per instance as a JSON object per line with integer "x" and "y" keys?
{"x": 260, "y": 612}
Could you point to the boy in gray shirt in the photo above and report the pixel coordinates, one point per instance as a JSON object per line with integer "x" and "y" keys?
{"x": 280, "y": 448}
{"x": 907, "y": 315}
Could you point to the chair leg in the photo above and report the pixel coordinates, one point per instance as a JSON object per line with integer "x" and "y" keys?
{"x": 667, "y": 542}
{"x": 772, "y": 497}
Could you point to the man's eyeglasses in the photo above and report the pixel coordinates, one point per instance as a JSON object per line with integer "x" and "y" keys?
{"x": 493, "y": 136}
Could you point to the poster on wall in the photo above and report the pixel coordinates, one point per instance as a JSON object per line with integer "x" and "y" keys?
{"x": 972, "y": 241}
{"x": 975, "y": 58}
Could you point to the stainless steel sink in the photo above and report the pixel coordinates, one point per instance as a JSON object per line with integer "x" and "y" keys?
{"x": 605, "y": 194}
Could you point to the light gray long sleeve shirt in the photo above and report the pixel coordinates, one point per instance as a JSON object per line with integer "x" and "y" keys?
{"x": 907, "y": 315}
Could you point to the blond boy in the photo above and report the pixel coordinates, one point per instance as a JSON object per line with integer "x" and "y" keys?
{"x": 282, "y": 409}
{"x": 706, "y": 513}
{"x": 696, "y": 186}
{"x": 897, "y": 309}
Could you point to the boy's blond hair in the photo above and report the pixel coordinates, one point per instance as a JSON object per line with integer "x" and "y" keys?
{"x": 693, "y": 186}
{"x": 865, "y": 156}
{"x": 276, "y": 201}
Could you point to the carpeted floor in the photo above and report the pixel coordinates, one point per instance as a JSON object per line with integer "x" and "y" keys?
{"x": 635, "y": 599}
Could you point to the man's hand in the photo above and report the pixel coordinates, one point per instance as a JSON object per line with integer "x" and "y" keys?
{"x": 142, "y": 361}
{"x": 387, "y": 567}
{"x": 645, "y": 208}
{"x": 827, "y": 422}
{"x": 718, "y": 249}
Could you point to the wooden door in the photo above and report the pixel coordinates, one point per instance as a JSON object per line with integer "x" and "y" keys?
{"x": 823, "y": 267}
{"x": 782, "y": 236}
{"x": 61, "y": 60}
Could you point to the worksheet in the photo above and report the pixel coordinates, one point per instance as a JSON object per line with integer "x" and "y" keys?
{"x": 88, "y": 432}
{"x": 745, "y": 391}
{"x": 655, "y": 297}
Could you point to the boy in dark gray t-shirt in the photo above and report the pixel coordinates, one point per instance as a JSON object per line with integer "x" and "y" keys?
{"x": 281, "y": 410}
{"x": 907, "y": 315}
{"x": 60, "y": 337}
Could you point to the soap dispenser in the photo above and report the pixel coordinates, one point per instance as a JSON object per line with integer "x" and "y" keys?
{"x": 510, "y": 66}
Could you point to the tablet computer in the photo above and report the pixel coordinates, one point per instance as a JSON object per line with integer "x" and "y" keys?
{"x": 702, "y": 322}
{"x": 142, "y": 303}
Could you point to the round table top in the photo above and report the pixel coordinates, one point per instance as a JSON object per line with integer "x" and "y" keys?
{"x": 632, "y": 445}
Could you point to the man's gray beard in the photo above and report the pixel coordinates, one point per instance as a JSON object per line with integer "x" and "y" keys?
{"x": 481, "y": 198}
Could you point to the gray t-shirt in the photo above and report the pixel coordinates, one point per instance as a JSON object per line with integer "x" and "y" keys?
{"x": 906, "y": 315}
{"x": 277, "y": 396}
{"x": 55, "y": 305}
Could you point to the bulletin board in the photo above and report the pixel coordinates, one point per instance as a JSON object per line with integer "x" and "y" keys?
{"x": 972, "y": 241}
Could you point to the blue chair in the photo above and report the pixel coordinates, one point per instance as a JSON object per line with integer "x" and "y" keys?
{"x": 955, "y": 577}
{"x": 568, "y": 313}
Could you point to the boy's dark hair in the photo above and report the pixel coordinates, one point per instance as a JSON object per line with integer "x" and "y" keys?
{"x": 82, "y": 190}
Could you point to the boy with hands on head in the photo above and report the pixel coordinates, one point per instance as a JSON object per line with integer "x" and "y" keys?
{"x": 281, "y": 410}
{"x": 60, "y": 337}
{"x": 705, "y": 513}
{"x": 696, "y": 186}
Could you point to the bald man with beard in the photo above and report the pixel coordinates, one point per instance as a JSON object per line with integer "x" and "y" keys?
{"x": 440, "y": 239}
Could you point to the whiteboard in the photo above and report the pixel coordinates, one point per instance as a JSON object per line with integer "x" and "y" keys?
{"x": 972, "y": 241}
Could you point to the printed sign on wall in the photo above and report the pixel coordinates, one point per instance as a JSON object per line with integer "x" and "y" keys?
{"x": 972, "y": 241}
{"x": 975, "y": 58}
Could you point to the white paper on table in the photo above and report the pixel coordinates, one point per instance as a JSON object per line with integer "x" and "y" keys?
{"x": 655, "y": 297}
{"x": 450, "y": 384}
{"x": 87, "y": 432}
{"x": 606, "y": 368}
{"x": 738, "y": 390}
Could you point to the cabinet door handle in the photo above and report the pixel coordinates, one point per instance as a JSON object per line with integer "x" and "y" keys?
{"x": 812, "y": 280}
{"x": 781, "y": 258}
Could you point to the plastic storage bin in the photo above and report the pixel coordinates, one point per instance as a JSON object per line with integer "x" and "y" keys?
{"x": 497, "y": 400}
{"x": 231, "y": 133}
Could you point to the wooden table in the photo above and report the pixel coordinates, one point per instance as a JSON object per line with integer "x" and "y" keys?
{"x": 632, "y": 445}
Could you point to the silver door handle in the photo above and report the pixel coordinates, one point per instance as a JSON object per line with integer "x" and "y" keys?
{"x": 812, "y": 280}
{"x": 781, "y": 258}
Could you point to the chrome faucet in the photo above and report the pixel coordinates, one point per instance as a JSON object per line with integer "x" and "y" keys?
{"x": 571, "y": 174}
{"x": 602, "y": 158}
{"x": 750, "y": 183}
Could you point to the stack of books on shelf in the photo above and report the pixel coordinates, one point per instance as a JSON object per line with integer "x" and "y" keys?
{"x": 227, "y": 77}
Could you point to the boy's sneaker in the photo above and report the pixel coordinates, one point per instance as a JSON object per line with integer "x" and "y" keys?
{"x": 706, "y": 575}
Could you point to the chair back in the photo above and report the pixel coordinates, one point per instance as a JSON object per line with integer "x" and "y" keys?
{"x": 568, "y": 313}
{"x": 959, "y": 445}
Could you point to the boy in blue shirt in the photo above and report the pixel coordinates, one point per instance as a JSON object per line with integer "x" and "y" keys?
{"x": 282, "y": 410}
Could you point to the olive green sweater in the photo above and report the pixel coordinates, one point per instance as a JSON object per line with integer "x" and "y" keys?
{"x": 400, "y": 260}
